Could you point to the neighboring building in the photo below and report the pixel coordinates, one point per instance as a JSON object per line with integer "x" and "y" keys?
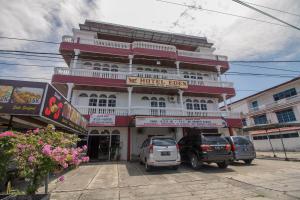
{"x": 272, "y": 116}
{"x": 132, "y": 83}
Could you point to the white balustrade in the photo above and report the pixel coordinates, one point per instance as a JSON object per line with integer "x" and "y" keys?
{"x": 209, "y": 83}
{"x": 88, "y": 110}
{"x": 194, "y": 54}
{"x": 146, "y": 74}
{"x": 106, "y": 43}
{"x": 67, "y": 38}
{"x": 154, "y": 46}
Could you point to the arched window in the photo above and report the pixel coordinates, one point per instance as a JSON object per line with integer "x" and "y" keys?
{"x": 199, "y": 76}
{"x": 189, "y": 104}
{"x": 87, "y": 64}
{"x": 162, "y": 103}
{"x": 115, "y": 132}
{"x": 155, "y": 70}
{"x": 144, "y": 98}
{"x": 206, "y": 75}
{"x": 196, "y": 105}
{"x": 193, "y": 76}
{"x": 186, "y": 75}
{"x": 164, "y": 71}
{"x": 83, "y": 95}
{"x": 203, "y": 105}
{"x": 139, "y": 69}
{"x": 96, "y": 68}
{"x": 148, "y": 69}
{"x": 105, "y": 132}
{"x": 93, "y": 100}
{"x": 102, "y": 100}
{"x": 210, "y": 101}
{"x": 112, "y": 101}
{"x": 94, "y": 132}
{"x": 154, "y": 102}
{"x": 97, "y": 65}
{"x": 114, "y": 68}
{"x": 105, "y": 67}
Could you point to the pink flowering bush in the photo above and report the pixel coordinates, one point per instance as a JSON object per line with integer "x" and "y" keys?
{"x": 43, "y": 151}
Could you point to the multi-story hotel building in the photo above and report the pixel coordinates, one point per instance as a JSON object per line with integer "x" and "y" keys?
{"x": 272, "y": 117}
{"x": 132, "y": 83}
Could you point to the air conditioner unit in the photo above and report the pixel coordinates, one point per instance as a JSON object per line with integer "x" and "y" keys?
{"x": 172, "y": 99}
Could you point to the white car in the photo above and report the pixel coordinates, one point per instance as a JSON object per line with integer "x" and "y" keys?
{"x": 159, "y": 151}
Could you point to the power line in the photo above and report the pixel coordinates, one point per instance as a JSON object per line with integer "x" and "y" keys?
{"x": 272, "y": 9}
{"x": 29, "y": 40}
{"x": 26, "y": 65}
{"x": 220, "y": 12}
{"x": 26, "y": 77}
{"x": 263, "y": 67}
{"x": 266, "y": 14}
{"x": 14, "y": 57}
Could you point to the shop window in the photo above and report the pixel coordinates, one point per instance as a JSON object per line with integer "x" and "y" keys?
{"x": 93, "y": 100}
{"x": 112, "y": 101}
{"x": 102, "y": 100}
{"x": 285, "y": 94}
{"x": 286, "y": 116}
{"x": 262, "y": 119}
{"x": 189, "y": 104}
{"x": 196, "y": 105}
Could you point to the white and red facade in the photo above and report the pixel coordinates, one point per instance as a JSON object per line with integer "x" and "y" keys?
{"x": 175, "y": 84}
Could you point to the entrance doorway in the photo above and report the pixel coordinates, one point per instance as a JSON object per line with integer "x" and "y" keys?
{"x": 104, "y": 146}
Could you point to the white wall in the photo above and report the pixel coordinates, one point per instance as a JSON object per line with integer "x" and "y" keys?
{"x": 291, "y": 144}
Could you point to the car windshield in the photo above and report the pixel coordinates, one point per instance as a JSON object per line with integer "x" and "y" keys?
{"x": 214, "y": 140}
{"x": 241, "y": 141}
{"x": 163, "y": 142}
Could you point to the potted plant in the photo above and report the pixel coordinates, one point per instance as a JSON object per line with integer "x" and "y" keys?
{"x": 41, "y": 152}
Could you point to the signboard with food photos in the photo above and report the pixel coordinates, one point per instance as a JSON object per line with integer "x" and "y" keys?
{"x": 58, "y": 109}
{"x": 21, "y": 97}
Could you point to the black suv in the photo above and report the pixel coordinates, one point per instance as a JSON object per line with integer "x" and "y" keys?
{"x": 196, "y": 149}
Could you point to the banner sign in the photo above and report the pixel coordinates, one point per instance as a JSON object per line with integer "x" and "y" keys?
{"x": 21, "y": 97}
{"x": 58, "y": 109}
{"x": 102, "y": 120}
{"x": 153, "y": 82}
{"x": 201, "y": 122}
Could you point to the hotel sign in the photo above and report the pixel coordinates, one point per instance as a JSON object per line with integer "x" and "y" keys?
{"x": 153, "y": 82}
{"x": 102, "y": 120}
{"x": 201, "y": 122}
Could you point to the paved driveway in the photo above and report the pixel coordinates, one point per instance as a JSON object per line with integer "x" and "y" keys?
{"x": 265, "y": 179}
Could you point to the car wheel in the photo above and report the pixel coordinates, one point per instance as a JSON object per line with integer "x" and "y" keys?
{"x": 195, "y": 163}
{"x": 248, "y": 161}
{"x": 147, "y": 167}
{"x": 223, "y": 165}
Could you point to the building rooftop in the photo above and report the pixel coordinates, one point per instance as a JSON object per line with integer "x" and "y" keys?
{"x": 130, "y": 34}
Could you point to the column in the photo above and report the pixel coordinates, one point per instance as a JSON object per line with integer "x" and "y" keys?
{"x": 69, "y": 94}
{"x": 180, "y": 92}
{"x": 130, "y": 63}
{"x": 177, "y": 68}
{"x": 77, "y": 52}
{"x": 218, "y": 67}
{"x": 128, "y": 143}
{"x": 129, "y": 99}
{"x": 225, "y": 102}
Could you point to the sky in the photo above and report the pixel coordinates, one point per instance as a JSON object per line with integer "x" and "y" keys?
{"x": 237, "y": 38}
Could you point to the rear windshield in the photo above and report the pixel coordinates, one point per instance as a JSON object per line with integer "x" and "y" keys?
{"x": 241, "y": 140}
{"x": 163, "y": 142}
{"x": 214, "y": 140}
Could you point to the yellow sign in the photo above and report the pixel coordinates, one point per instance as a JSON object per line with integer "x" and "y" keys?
{"x": 153, "y": 82}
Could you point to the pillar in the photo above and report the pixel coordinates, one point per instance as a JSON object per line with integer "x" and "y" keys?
{"x": 130, "y": 63}
{"x": 77, "y": 52}
{"x": 177, "y": 68}
{"x": 218, "y": 67}
{"x": 128, "y": 144}
{"x": 69, "y": 94}
{"x": 225, "y": 101}
{"x": 180, "y": 92}
{"x": 230, "y": 129}
{"x": 129, "y": 99}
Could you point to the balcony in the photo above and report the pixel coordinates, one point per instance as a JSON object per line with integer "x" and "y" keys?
{"x": 275, "y": 105}
{"x": 148, "y": 48}
{"x": 122, "y": 76}
{"x": 150, "y": 111}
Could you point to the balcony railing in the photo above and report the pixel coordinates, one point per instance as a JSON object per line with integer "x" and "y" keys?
{"x": 123, "y": 75}
{"x": 140, "y": 110}
{"x": 145, "y": 45}
{"x": 276, "y": 104}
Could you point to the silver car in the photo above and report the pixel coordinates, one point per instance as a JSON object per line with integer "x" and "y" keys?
{"x": 158, "y": 151}
{"x": 242, "y": 148}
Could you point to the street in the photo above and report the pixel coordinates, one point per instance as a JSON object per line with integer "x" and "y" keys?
{"x": 264, "y": 179}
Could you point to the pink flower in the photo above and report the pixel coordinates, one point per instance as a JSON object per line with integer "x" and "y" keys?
{"x": 47, "y": 150}
{"x": 31, "y": 159}
{"x": 85, "y": 159}
{"x": 7, "y": 134}
{"x": 61, "y": 178}
{"x": 41, "y": 142}
{"x": 84, "y": 147}
{"x": 37, "y": 130}
{"x": 65, "y": 165}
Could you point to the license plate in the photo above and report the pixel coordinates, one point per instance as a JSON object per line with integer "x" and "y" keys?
{"x": 218, "y": 148}
{"x": 165, "y": 153}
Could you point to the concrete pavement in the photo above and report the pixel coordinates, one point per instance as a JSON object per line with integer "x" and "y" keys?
{"x": 265, "y": 179}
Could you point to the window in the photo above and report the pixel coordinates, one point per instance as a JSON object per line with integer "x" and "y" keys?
{"x": 93, "y": 100}
{"x": 262, "y": 119}
{"x": 96, "y": 132}
{"x": 162, "y": 103}
{"x": 145, "y": 98}
{"x": 83, "y": 95}
{"x": 153, "y": 102}
{"x": 203, "y": 105}
{"x": 164, "y": 71}
{"x": 285, "y": 94}
{"x": 254, "y": 105}
{"x": 196, "y": 105}
{"x": 114, "y": 68}
{"x": 102, "y": 100}
{"x": 210, "y": 101}
{"x": 112, "y": 101}
{"x": 186, "y": 75}
{"x": 87, "y": 64}
{"x": 199, "y": 76}
{"x": 286, "y": 116}
{"x": 193, "y": 76}
{"x": 244, "y": 122}
{"x": 188, "y": 104}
